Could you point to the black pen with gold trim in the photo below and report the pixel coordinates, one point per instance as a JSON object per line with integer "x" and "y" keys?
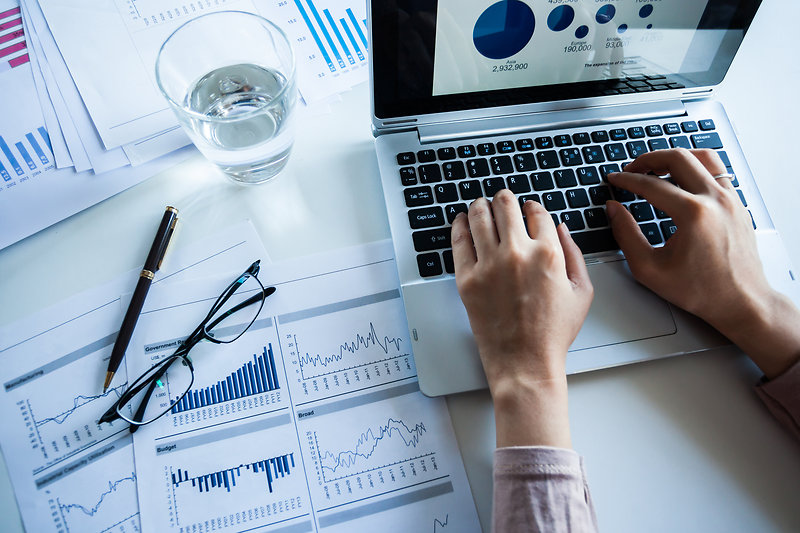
{"x": 151, "y": 266}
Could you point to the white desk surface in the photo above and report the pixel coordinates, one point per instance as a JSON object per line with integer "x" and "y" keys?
{"x": 676, "y": 445}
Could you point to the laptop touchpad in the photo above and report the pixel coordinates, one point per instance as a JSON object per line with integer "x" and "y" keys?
{"x": 622, "y": 310}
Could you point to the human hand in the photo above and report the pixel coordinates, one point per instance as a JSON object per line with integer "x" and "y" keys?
{"x": 710, "y": 266}
{"x": 526, "y": 298}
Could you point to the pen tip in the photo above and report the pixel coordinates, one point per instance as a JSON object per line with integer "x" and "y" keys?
{"x": 109, "y": 377}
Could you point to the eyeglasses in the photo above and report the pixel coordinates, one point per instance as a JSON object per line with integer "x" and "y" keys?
{"x": 157, "y": 391}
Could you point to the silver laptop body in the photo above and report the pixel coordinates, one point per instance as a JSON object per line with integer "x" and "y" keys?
{"x": 627, "y": 323}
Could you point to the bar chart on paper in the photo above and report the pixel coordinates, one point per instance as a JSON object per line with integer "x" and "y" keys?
{"x": 346, "y": 346}
{"x": 13, "y": 48}
{"x": 30, "y": 155}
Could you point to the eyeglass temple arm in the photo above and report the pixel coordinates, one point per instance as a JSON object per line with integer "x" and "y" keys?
{"x": 250, "y": 301}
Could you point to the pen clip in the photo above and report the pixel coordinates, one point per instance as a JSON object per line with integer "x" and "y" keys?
{"x": 170, "y": 236}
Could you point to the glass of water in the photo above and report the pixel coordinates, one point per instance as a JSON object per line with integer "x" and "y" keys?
{"x": 229, "y": 77}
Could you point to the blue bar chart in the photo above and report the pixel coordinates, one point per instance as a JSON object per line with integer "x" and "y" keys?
{"x": 19, "y": 156}
{"x": 254, "y": 377}
{"x": 332, "y": 33}
{"x": 273, "y": 469}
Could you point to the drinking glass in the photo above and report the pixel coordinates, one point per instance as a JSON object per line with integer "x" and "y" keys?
{"x": 229, "y": 77}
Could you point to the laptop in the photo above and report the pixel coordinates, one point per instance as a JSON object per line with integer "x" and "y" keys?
{"x": 545, "y": 98}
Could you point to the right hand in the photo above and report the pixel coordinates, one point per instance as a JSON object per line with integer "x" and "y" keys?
{"x": 710, "y": 266}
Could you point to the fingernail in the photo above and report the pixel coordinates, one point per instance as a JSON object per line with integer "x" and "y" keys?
{"x": 612, "y": 209}
{"x": 459, "y": 215}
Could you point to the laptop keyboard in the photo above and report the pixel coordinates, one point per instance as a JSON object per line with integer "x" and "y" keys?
{"x": 566, "y": 173}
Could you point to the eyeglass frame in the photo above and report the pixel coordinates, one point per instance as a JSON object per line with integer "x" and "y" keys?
{"x": 202, "y": 332}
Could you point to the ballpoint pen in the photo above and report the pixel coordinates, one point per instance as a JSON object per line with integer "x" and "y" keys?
{"x": 151, "y": 266}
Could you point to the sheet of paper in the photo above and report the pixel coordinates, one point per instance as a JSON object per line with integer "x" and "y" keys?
{"x": 313, "y": 420}
{"x": 69, "y": 473}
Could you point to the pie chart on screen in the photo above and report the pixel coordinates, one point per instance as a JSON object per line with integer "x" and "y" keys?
{"x": 503, "y": 29}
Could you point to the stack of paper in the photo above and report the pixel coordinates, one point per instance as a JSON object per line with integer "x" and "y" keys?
{"x": 82, "y": 118}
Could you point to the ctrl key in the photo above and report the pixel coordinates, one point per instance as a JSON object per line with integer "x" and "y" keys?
{"x": 429, "y": 264}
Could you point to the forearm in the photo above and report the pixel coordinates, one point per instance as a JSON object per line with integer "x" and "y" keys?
{"x": 530, "y": 412}
{"x": 769, "y": 334}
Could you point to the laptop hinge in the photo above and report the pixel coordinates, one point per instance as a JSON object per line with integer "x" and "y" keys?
{"x": 548, "y": 120}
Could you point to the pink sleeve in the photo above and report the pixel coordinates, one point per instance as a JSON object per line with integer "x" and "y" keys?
{"x": 782, "y": 397}
{"x": 541, "y": 489}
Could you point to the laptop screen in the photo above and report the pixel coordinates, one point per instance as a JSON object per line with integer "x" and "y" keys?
{"x": 450, "y": 55}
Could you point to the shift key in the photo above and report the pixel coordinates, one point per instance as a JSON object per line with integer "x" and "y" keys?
{"x": 707, "y": 140}
{"x": 434, "y": 239}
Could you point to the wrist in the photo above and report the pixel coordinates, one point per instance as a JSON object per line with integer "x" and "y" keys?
{"x": 531, "y": 411}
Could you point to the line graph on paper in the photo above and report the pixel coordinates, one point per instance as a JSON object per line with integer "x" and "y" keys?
{"x": 93, "y": 516}
{"x": 346, "y": 346}
{"x": 392, "y": 443}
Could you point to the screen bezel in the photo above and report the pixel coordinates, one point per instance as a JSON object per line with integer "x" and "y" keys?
{"x": 402, "y": 68}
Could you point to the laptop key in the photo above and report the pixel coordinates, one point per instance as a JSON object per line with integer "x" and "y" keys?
{"x": 636, "y": 148}
{"x": 621, "y": 195}
{"x": 406, "y": 158}
{"x": 427, "y": 217}
{"x": 429, "y": 173}
{"x": 636, "y": 132}
{"x": 690, "y": 126}
{"x": 466, "y": 151}
{"x": 600, "y": 136}
{"x": 641, "y": 211}
{"x": 418, "y": 196}
{"x": 477, "y": 168}
{"x": 565, "y": 177}
{"x": 571, "y": 157}
{"x": 605, "y": 170}
{"x": 429, "y": 265}
{"x": 505, "y": 147}
{"x": 426, "y": 156}
{"x": 577, "y": 198}
{"x": 725, "y": 159}
{"x": 470, "y": 190}
{"x": 542, "y": 143}
{"x": 654, "y": 130}
{"x": 548, "y": 159}
{"x": 596, "y": 217}
{"x": 501, "y": 165}
{"x": 519, "y": 184}
{"x": 593, "y": 154}
{"x": 680, "y": 142}
{"x": 492, "y": 186}
{"x": 454, "y": 170}
{"x": 658, "y": 144}
{"x": 431, "y": 239}
{"x": 449, "y": 266}
{"x": 581, "y": 138}
{"x": 525, "y": 145}
{"x": 554, "y": 201}
{"x": 651, "y": 233}
{"x": 562, "y": 140}
{"x": 668, "y": 228}
{"x": 573, "y": 220}
{"x": 660, "y": 214}
{"x": 617, "y": 134}
{"x": 525, "y": 162}
{"x": 446, "y": 193}
{"x": 446, "y": 153}
{"x": 486, "y": 149}
{"x": 615, "y": 152}
{"x": 532, "y": 197}
{"x": 672, "y": 128}
{"x": 588, "y": 176}
{"x": 591, "y": 242}
{"x": 707, "y": 140}
{"x": 408, "y": 176}
{"x": 542, "y": 181}
{"x": 451, "y": 211}
{"x": 706, "y": 125}
{"x": 741, "y": 197}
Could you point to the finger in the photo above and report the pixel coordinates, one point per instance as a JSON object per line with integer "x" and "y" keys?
{"x": 573, "y": 258}
{"x": 710, "y": 160}
{"x": 539, "y": 222}
{"x": 659, "y": 192}
{"x": 463, "y": 247}
{"x": 631, "y": 240}
{"x": 508, "y": 217}
{"x": 686, "y": 170}
{"x": 481, "y": 224}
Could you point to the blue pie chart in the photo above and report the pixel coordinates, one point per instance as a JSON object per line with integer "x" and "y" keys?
{"x": 605, "y": 14}
{"x": 646, "y": 11}
{"x": 582, "y": 32}
{"x": 560, "y": 18}
{"x": 503, "y": 29}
